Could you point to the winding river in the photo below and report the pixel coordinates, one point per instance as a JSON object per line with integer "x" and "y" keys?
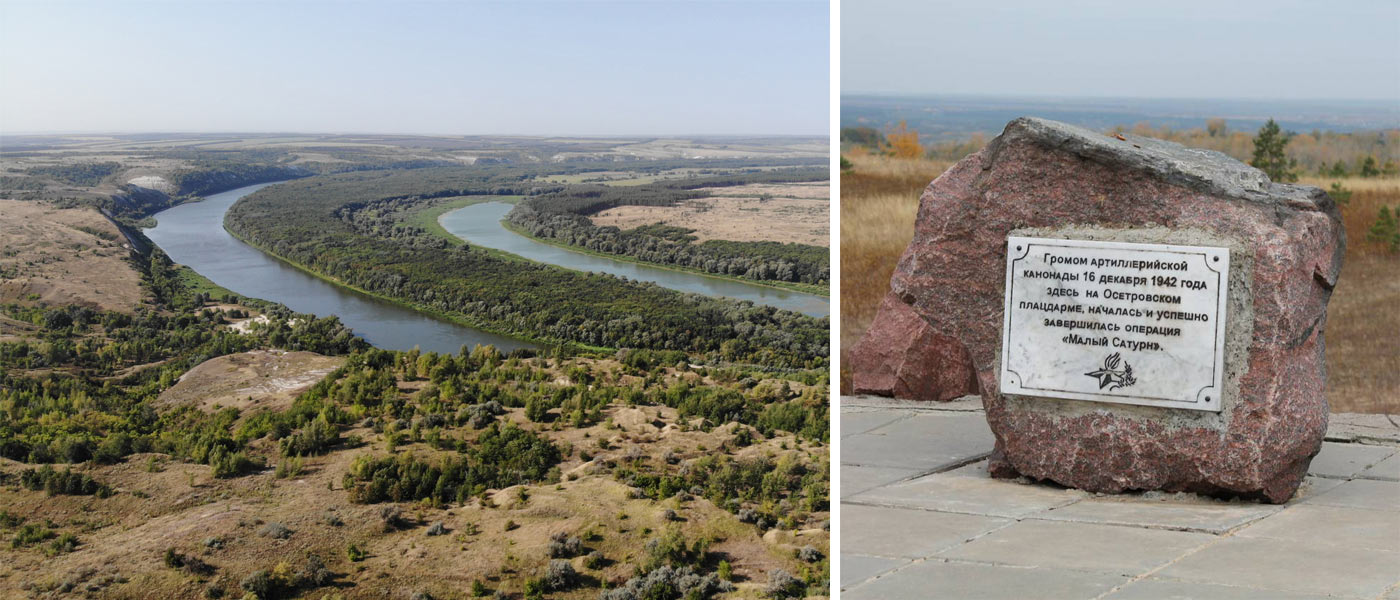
{"x": 193, "y": 235}
{"x": 480, "y": 224}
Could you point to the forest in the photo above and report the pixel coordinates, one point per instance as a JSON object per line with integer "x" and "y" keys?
{"x": 562, "y": 215}
{"x": 322, "y": 224}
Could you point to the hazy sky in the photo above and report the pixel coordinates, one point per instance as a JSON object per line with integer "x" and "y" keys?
{"x": 525, "y": 67}
{"x": 1275, "y": 49}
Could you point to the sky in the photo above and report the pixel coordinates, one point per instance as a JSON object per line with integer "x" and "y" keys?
{"x": 1244, "y": 49}
{"x": 523, "y": 67}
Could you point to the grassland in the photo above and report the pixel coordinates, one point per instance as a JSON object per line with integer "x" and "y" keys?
{"x": 797, "y": 213}
{"x": 64, "y": 256}
{"x": 879, "y": 199}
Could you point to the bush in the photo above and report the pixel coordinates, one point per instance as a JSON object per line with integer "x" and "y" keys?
{"x": 437, "y": 529}
{"x": 560, "y": 575}
{"x": 392, "y": 518}
{"x": 782, "y": 584}
{"x": 355, "y": 554}
{"x": 314, "y": 574}
{"x": 259, "y": 583}
{"x": 275, "y": 531}
{"x": 809, "y": 554}
{"x": 594, "y": 560}
{"x": 668, "y": 582}
{"x": 64, "y": 544}
{"x": 561, "y": 545}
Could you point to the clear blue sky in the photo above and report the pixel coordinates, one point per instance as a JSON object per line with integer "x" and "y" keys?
{"x": 1249, "y": 49}
{"x": 522, "y": 67}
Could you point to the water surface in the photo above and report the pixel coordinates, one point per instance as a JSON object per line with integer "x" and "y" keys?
{"x": 480, "y": 224}
{"x": 193, "y": 235}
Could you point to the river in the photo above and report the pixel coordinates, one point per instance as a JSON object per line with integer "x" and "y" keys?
{"x": 193, "y": 235}
{"x": 480, "y": 224}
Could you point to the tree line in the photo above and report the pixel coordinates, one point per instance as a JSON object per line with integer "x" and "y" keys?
{"x": 562, "y": 215}
{"x": 312, "y": 222}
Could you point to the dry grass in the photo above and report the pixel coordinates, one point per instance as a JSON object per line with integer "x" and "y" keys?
{"x": 1363, "y": 350}
{"x": 64, "y": 256}
{"x": 792, "y": 213}
{"x": 879, "y": 199}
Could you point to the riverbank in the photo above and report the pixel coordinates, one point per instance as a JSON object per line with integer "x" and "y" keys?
{"x": 802, "y": 288}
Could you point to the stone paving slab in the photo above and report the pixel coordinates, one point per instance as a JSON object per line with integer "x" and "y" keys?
{"x": 856, "y": 422}
{"x": 1361, "y": 493}
{"x": 1356, "y": 428}
{"x": 855, "y": 479}
{"x": 1080, "y": 546}
{"x": 1347, "y": 460}
{"x": 1166, "y": 589}
{"x": 856, "y": 568}
{"x": 938, "y": 526}
{"x": 904, "y": 533}
{"x": 937, "y": 579}
{"x": 1302, "y": 567}
{"x": 906, "y": 443}
{"x": 970, "y": 490}
{"x": 1332, "y": 525}
{"x": 1387, "y": 470}
{"x": 1185, "y": 515}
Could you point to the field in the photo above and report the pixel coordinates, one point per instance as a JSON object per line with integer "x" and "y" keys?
{"x": 64, "y": 256}
{"x": 797, "y": 213}
{"x": 879, "y": 199}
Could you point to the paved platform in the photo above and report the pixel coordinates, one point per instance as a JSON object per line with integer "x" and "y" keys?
{"x": 920, "y": 518}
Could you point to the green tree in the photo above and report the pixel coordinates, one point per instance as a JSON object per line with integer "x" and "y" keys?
{"x": 1269, "y": 156}
{"x": 1368, "y": 167}
{"x": 1385, "y": 230}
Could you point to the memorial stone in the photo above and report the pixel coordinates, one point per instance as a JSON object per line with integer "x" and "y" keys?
{"x": 1140, "y": 315}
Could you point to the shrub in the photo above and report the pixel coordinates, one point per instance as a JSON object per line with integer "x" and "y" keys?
{"x": 64, "y": 544}
{"x": 560, "y": 575}
{"x": 561, "y": 545}
{"x": 782, "y": 584}
{"x": 809, "y": 554}
{"x": 315, "y": 573}
{"x": 594, "y": 560}
{"x": 392, "y": 518}
{"x": 30, "y": 534}
{"x": 275, "y": 531}
{"x": 437, "y": 529}
{"x": 355, "y": 554}
{"x": 259, "y": 583}
{"x": 668, "y": 582}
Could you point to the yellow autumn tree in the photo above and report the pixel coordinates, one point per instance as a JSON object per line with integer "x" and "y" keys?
{"x": 904, "y": 142}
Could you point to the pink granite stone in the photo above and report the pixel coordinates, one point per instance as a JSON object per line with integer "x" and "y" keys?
{"x": 901, "y": 356}
{"x": 1286, "y": 250}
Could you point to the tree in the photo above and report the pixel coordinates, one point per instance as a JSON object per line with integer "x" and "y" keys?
{"x": 1368, "y": 167}
{"x": 1216, "y": 127}
{"x": 1386, "y": 230}
{"x": 1269, "y": 156}
{"x": 904, "y": 142}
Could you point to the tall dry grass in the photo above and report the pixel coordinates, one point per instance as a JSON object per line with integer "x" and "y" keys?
{"x": 879, "y": 199}
{"x": 880, "y": 196}
{"x": 1363, "y": 318}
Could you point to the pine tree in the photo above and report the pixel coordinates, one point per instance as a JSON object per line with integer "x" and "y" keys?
{"x": 1269, "y": 156}
{"x": 1386, "y": 230}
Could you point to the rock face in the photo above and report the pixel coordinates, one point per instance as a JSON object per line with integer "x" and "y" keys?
{"x": 901, "y": 356}
{"x": 1046, "y": 179}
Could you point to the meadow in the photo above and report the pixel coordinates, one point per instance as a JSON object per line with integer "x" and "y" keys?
{"x": 880, "y": 197}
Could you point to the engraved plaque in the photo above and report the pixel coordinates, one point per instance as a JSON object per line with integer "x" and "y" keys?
{"x": 1115, "y": 322}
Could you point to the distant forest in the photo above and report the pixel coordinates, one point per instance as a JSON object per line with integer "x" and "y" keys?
{"x": 563, "y": 216}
